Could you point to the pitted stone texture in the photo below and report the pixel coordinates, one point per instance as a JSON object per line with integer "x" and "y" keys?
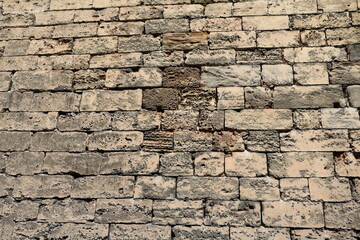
{"x": 145, "y": 77}
{"x": 181, "y": 77}
{"x": 200, "y": 232}
{"x": 155, "y": 187}
{"x": 342, "y": 215}
{"x": 296, "y": 189}
{"x": 115, "y": 140}
{"x": 330, "y": 189}
{"x": 24, "y": 163}
{"x": 259, "y": 233}
{"x": 209, "y": 164}
{"x": 264, "y": 188}
{"x": 140, "y": 231}
{"x": 246, "y": 164}
{"x": 176, "y": 164}
{"x": 347, "y": 164}
{"x": 140, "y": 120}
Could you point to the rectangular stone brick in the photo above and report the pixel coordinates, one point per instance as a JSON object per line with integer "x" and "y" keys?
{"x": 178, "y": 212}
{"x": 315, "y": 54}
{"x": 230, "y": 98}
{"x": 313, "y": 38}
{"x": 75, "y": 30}
{"x": 66, "y": 211}
{"x": 71, "y": 62}
{"x": 97, "y": 15}
{"x": 299, "y": 234}
{"x": 293, "y": 214}
{"x": 158, "y": 141}
{"x": 342, "y": 215}
{"x": 296, "y": 189}
{"x": 115, "y": 3}
{"x": 215, "y": 24}
{"x": 266, "y": 23}
{"x": 311, "y": 73}
{"x": 218, "y": 10}
{"x": 293, "y": 7}
{"x": 233, "y": 40}
{"x": 58, "y": 141}
{"x": 144, "y": 77}
{"x": 78, "y": 163}
{"x": 19, "y": 63}
{"x": 16, "y": 47}
{"x": 347, "y": 164}
{"x": 331, "y": 20}
{"x": 209, "y": 164}
{"x": 95, "y": 45}
{"x": 259, "y": 188}
{"x": 103, "y": 100}
{"x": 271, "y": 39}
{"x": 14, "y": 141}
{"x": 258, "y": 233}
{"x": 184, "y": 11}
{"x": 116, "y": 60}
{"x": 176, "y": 164}
{"x": 192, "y": 141}
{"x": 26, "y": 33}
{"x": 42, "y": 186}
{"x": 345, "y": 73}
{"x": 69, "y": 4}
{"x": 103, "y": 187}
{"x": 5, "y": 81}
{"x": 18, "y": 210}
{"x": 27, "y": 121}
{"x": 165, "y": 2}
{"x": 136, "y": 120}
{"x": 84, "y": 121}
{"x": 207, "y": 187}
{"x": 210, "y": 57}
{"x": 156, "y": 187}
{"x": 307, "y": 119}
{"x": 139, "y": 43}
{"x": 121, "y": 28}
{"x": 330, "y": 189}
{"x": 301, "y": 164}
{"x": 7, "y": 185}
{"x": 308, "y": 96}
{"x": 355, "y": 139}
{"x": 184, "y": 41}
{"x": 337, "y": 6}
{"x": 200, "y": 232}
{"x": 137, "y": 163}
{"x": 246, "y": 164}
{"x": 262, "y": 141}
{"x": 50, "y": 46}
{"x": 259, "y": 56}
{"x": 166, "y": 26}
{"x": 259, "y": 119}
{"x": 245, "y": 8}
{"x": 314, "y": 140}
{"x": 231, "y": 76}
{"x": 342, "y": 36}
{"x": 278, "y": 74}
{"x": 42, "y": 80}
{"x": 25, "y": 6}
{"x": 228, "y": 141}
{"x": 123, "y": 211}
{"x": 179, "y": 119}
{"x": 54, "y": 17}
{"x": 340, "y": 118}
{"x": 24, "y": 163}
{"x": 163, "y": 59}
{"x": 233, "y": 213}
{"x": 116, "y": 140}
{"x": 139, "y": 231}
{"x": 198, "y": 99}
{"x": 141, "y": 12}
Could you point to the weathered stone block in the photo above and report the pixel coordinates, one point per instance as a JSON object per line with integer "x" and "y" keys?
{"x": 184, "y": 41}
{"x": 20, "y": 63}
{"x": 210, "y": 57}
{"x": 103, "y": 187}
{"x": 209, "y": 164}
{"x": 200, "y": 232}
{"x": 246, "y": 164}
{"x": 123, "y": 211}
{"x": 58, "y": 141}
{"x": 263, "y": 141}
{"x": 342, "y": 215}
{"x": 329, "y": 189}
{"x": 218, "y": 10}
{"x": 198, "y": 99}
{"x": 215, "y": 24}
{"x": 347, "y": 164}
{"x": 227, "y": 141}
{"x": 211, "y": 120}
{"x": 299, "y": 234}
{"x": 313, "y": 38}
{"x": 120, "y": 28}
{"x": 89, "y": 79}
{"x": 176, "y": 164}
{"x": 18, "y": 210}
{"x": 259, "y": 55}
{"x": 28, "y": 121}
{"x": 275, "y": 75}
{"x": 296, "y": 189}
{"x": 24, "y": 163}
{"x": 183, "y": 11}
{"x": 158, "y": 141}
{"x": 116, "y": 60}
{"x": 5, "y": 81}
{"x": 192, "y": 141}
{"x": 345, "y": 73}
{"x": 233, "y": 213}
{"x": 84, "y": 121}
{"x": 340, "y": 118}
{"x": 293, "y": 214}
{"x": 259, "y": 233}
{"x": 179, "y": 119}
{"x": 181, "y": 77}
{"x": 141, "y": 12}
{"x": 315, "y": 54}
{"x": 115, "y": 140}
{"x": 232, "y": 40}
{"x": 97, "y": 15}
{"x": 136, "y": 120}
{"x": 75, "y": 30}
{"x": 260, "y": 188}
{"x": 337, "y": 6}
{"x": 138, "y": 43}
{"x": 246, "y": 8}
{"x": 144, "y": 77}
{"x": 307, "y": 119}
{"x": 332, "y": 20}
{"x": 258, "y": 97}
{"x": 95, "y": 45}
{"x": 266, "y": 23}
{"x": 271, "y": 39}
{"x": 161, "y": 98}
{"x": 139, "y": 231}
{"x": 301, "y": 164}
{"x": 311, "y": 74}
{"x": 166, "y": 25}
{"x": 207, "y": 187}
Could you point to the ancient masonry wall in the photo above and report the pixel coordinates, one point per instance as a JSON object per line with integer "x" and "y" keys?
{"x": 179, "y": 119}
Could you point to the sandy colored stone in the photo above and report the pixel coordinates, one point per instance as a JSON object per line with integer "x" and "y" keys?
{"x": 307, "y": 119}
{"x": 265, "y": 22}
{"x": 183, "y": 11}
{"x": 231, "y": 40}
{"x": 140, "y": 231}
{"x": 198, "y": 99}
{"x": 22, "y": 6}
{"x": 163, "y": 59}
{"x": 141, "y": 12}
{"x": 84, "y": 121}
{"x": 329, "y": 189}
{"x": 192, "y": 141}
{"x": 42, "y": 186}
{"x": 342, "y": 36}
{"x": 96, "y": 15}
{"x": 258, "y": 97}
{"x": 64, "y": 62}
{"x": 211, "y": 120}
{"x": 77, "y": 163}
{"x": 24, "y": 163}
{"x": 228, "y": 141}
{"x": 262, "y": 141}
{"x": 355, "y": 139}
{"x": 78, "y": 231}
{"x": 5, "y": 81}
{"x": 116, "y": 60}
{"x": 184, "y": 41}
{"x": 316, "y": 54}
{"x": 258, "y": 119}
{"x": 54, "y": 17}
{"x": 299, "y": 234}
{"x": 138, "y": 43}
{"x": 337, "y": 6}
{"x": 115, "y": 3}
{"x": 231, "y": 76}
{"x": 293, "y": 214}
{"x": 28, "y": 121}
{"x": 158, "y": 141}
{"x": 340, "y": 118}
{"x": 179, "y": 119}
{"x": 50, "y": 46}
{"x": 136, "y": 120}
{"x": 354, "y": 95}
{"x": 314, "y": 140}
{"x": 259, "y": 55}
{"x": 246, "y": 8}
{"x": 273, "y": 39}
{"x": 215, "y": 24}
{"x": 137, "y": 163}
{"x": 20, "y": 63}
{"x": 115, "y": 140}
{"x": 246, "y": 164}
{"x": 155, "y": 26}
{"x": 259, "y": 233}
{"x": 347, "y": 164}
{"x": 311, "y": 74}
{"x": 95, "y": 45}
{"x": 207, "y": 187}
{"x": 345, "y": 73}
{"x": 14, "y": 141}
{"x": 301, "y": 164}
{"x": 75, "y": 30}
{"x": 296, "y": 189}
{"x": 155, "y": 187}
{"x": 58, "y": 141}
{"x": 123, "y": 211}
{"x": 178, "y": 212}
{"x": 200, "y": 232}
{"x": 209, "y": 164}
{"x": 233, "y": 213}
{"x": 210, "y": 57}
{"x": 313, "y": 38}
{"x": 103, "y": 187}
{"x": 342, "y": 215}
{"x": 332, "y": 20}
{"x": 120, "y": 28}
{"x": 260, "y": 188}
{"x": 25, "y": 210}
{"x": 145, "y": 77}
{"x": 66, "y": 211}
{"x": 176, "y": 164}
{"x": 104, "y": 100}
{"x": 275, "y": 75}
{"x": 230, "y": 97}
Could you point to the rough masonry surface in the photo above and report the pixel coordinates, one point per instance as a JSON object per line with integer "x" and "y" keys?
{"x": 179, "y": 119}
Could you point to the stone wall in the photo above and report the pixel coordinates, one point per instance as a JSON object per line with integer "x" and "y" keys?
{"x": 179, "y": 119}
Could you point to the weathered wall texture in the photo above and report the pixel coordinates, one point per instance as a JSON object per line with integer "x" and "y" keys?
{"x": 179, "y": 119}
